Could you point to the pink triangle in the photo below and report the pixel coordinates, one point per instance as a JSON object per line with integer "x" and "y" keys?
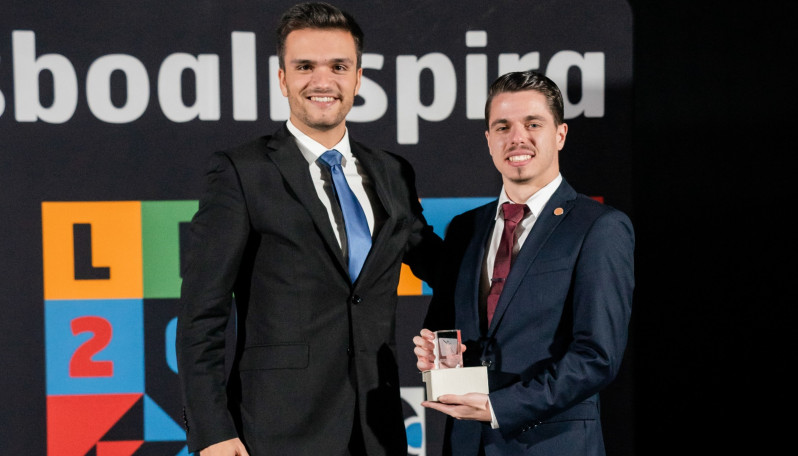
{"x": 76, "y": 423}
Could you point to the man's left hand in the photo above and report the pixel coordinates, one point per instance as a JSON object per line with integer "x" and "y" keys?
{"x": 471, "y": 406}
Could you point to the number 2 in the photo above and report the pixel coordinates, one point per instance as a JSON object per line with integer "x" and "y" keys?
{"x": 81, "y": 364}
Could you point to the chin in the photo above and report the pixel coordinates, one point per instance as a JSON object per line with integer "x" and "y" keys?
{"x": 323, "y": 126}
{"x": 516, "y": 179}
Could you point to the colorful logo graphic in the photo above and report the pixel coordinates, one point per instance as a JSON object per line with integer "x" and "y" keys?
{"x": 111, "y": 287}
{"x": 111, "y": 283}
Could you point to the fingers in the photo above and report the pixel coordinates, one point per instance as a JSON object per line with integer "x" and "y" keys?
{"x": 232, "y": 447}
{"x": 471, "y": 406}
{"x": 451, "y": 399}
{"x": 423, "y": 365}
{"x": 241, "y": 450}
{"x": 423, "y": 350}
{"x": 421, "y": 342}
{"x": 425, "y": 360}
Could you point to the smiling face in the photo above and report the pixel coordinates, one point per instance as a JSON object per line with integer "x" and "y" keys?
{"x": 524, "y": 142}
{"x": 321, "y": 80}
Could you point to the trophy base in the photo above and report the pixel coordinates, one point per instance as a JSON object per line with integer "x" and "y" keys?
{"x": 460, "y": 380}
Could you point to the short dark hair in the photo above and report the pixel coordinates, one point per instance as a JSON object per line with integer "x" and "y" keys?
{"x": 519, "y": 81}
{"x": 317, "y": 15}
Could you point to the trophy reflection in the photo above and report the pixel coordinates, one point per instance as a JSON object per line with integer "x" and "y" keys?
{"x": 447, "y": 349}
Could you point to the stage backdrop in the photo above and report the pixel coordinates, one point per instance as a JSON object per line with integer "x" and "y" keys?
{"x": 108, "y": 113}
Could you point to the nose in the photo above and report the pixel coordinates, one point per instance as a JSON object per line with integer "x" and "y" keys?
{"x": 321, "y": 77}
{"x": 517, "y": 136}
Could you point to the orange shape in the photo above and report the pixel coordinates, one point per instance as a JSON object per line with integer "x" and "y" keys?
{"x": 409, "y": 284}
{"x": 115, "y": 229}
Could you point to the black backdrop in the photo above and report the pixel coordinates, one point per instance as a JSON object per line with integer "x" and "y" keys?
{"x": 713, "y": 150}
{"x": 106, "y": 160}
{"x": 714, "y": 146}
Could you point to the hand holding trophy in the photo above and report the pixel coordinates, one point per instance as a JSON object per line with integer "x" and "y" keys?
{"x": 448, "y": 374}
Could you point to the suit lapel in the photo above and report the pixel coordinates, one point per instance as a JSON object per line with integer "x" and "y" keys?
{"x": 285, "y": 154}
{"x": 380, "y": 180}
{"x": 375, "y": 168}
{"x": 470, "y": 276}
{"x": 564, "y": 197}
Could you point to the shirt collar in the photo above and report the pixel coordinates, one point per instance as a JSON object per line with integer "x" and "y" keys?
{"x": 536, "y": 202}
{"x": 312, "y": 150}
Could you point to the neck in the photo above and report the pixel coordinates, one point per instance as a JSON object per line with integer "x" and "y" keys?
{"x": 520, "y": 192}
{"x": 327, "y": 138}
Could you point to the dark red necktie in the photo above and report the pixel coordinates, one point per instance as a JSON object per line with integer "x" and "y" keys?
{"x": 513, "y": 213}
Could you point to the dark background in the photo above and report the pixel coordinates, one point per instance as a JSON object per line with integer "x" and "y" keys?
{"x": 151, "y": 159}
{"x": 713, "y": 150}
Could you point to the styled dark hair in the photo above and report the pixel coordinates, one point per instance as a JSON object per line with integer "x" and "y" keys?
{"x": 519, "y": 81}
{"x": 317, "y": 15}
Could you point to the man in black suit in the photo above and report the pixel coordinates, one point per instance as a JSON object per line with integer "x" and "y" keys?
{"x": 314, "y": 371}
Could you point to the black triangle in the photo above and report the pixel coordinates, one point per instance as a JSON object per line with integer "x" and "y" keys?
{"x": 160, "y": 448}
{"x": 130, "y": 426}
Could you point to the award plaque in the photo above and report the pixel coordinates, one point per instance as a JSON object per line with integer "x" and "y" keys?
{"x": 449, "y": 376}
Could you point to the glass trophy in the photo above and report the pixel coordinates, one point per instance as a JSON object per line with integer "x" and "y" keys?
{"x": 449, "y": 376}
{"x": 447, "y": 349}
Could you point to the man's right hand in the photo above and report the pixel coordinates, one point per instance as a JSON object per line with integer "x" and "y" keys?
{"x": 424, "y": 346}
{"x": 232, "y": 447}
{"x": 425, "y": 357}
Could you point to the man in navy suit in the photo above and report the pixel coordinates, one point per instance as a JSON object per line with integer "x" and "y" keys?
{"x": 554, "y": 335}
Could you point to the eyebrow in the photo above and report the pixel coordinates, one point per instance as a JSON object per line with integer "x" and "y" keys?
{"x": 526, "y": 119}
{"x": 333, "y": 61}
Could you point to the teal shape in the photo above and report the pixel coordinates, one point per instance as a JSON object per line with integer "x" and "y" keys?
{"x": 158, "y": 425}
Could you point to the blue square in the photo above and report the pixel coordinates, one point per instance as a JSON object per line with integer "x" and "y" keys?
{"x": 94, "y": 346}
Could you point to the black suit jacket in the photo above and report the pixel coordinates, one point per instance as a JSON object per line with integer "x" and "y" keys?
{"x": 559, "y": 331}
{"x": 313, "y": 350}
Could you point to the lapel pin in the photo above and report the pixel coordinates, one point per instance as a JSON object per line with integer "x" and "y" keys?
{"x": 558, "y": 211}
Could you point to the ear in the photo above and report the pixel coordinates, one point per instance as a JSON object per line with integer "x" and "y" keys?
{"x": 562, "y": 131}
{"x": 359, "y": 76}
{"x": 281, "y": 78}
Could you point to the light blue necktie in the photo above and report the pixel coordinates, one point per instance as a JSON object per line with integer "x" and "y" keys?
{"x": 358, "y": 237}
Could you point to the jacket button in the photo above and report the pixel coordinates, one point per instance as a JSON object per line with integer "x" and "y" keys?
{"x": 487, "y": 362}
{"x": 356, "y": 299}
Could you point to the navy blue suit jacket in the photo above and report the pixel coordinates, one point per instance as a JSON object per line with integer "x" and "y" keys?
{"x": 559, "y": 331}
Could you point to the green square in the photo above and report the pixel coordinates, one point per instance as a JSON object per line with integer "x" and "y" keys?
{"x": 160, "y": 233}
